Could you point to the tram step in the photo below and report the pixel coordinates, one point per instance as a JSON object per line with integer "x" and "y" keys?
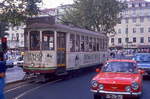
{"x": 63, "y": 73}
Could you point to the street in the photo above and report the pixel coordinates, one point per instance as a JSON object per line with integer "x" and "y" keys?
{"x": 75, "y": 88}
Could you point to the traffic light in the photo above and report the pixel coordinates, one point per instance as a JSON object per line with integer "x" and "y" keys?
{"x": 4, "y": 44}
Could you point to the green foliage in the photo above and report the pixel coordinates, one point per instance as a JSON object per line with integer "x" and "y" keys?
{"x": 3, "y": 28}
{"x": 97, "y": 15}
{"x": 16, "y": 11}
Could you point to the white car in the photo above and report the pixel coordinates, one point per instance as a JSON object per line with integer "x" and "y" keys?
{"x": 19, "y": 62}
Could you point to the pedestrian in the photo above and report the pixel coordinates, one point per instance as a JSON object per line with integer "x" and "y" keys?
{"x": 2, "y": 75}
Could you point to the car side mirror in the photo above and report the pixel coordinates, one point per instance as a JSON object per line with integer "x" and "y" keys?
{"x": 98, "y": 70}
{"x": 141, "y": 71}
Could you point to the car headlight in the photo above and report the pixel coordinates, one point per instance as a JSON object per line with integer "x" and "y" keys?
{"x": 128, "y": 88}
{"x": 94, "y": 83}
{"x": 101, "y": 86}
{"x": 135, "y": 86}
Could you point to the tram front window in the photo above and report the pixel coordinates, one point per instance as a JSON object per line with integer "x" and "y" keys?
{"x": 35, "y": 40}
{"x": 48, "y": 40}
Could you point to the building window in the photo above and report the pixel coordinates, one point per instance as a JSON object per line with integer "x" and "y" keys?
{"x": 127, "y": 20}
{"x": 12, "y": 37}
{"x": 142, "y": 40}
{"x": 149, "y": 29}
{"x": 17, "y": 36}
{"x": 119, "y": 40}
{"x": 149, "y": 39}
{"x": 126, "y": 31}
{"x": 134, "y": 30}
{"x": 133, "y": 5}
{"x": 119, "y": 31}
{"x": 134, "y": 40}
{"x": 142, "y": 19}
{"x": 141, "y": 30}
{"x": 146, "y": 4}
{"x": 126, "y": 40}
{"x": 140, "y": 5}
{"x": 112, "y": 40}
{"x": 134, "y": 20}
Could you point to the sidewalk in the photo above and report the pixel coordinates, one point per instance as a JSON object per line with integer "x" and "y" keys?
{"x": 14, "y": 74}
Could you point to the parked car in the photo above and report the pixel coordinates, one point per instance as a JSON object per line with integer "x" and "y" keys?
{"x": 10, "y": 63}
{"x": 143, "y": 62}
{"x": 118, "y": 79}
{"x": 19, "y": 61}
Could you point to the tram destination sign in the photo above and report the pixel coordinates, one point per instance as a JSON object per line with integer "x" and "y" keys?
{"x": 45, "y": 20}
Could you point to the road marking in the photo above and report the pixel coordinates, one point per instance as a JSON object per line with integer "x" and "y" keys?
{"x": 31, "y": 90}
{"x": 16, "y": 88}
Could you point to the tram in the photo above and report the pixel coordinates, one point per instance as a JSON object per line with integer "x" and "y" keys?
{"x": 56, "y": 49}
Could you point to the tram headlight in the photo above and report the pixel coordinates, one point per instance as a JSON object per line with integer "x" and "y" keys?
{"x": 101, "y": 86}
{"x": 135, "y": 86}
{"x": 32, "y": 64}
{"x": 128, "y": 88}
{"x": 94, "y": 83}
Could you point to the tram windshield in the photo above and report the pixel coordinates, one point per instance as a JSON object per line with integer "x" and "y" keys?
{"x": 48, "y": 40}
{"x": 35, "y": 40}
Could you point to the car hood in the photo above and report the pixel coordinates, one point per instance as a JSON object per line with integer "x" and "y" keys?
{"x": 121, "y": 78}
{"x": 144, "y": 64}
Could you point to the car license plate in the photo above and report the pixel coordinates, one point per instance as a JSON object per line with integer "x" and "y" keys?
{"x": 112, "y": 96}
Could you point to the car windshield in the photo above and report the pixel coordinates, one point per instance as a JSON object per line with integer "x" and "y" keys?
{"x": 142, "y": 58}
{"x": 120, "y": 67}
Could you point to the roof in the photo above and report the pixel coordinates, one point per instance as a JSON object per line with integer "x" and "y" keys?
{"x": 61, "y": 27}
{"x": 121, "y": 60}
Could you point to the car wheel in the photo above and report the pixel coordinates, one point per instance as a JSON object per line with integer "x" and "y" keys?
{"x": 96, "y": 96}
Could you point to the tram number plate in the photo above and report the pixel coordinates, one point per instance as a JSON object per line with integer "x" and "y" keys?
{"x": 112, "y": 96}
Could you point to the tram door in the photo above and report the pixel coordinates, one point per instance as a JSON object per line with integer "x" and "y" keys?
{"x": 61, "y": 53}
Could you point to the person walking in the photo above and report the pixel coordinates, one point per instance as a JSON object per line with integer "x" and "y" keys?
{"x": 2, "y": 75}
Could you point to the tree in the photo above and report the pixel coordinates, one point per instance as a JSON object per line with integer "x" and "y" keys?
{"x": 16, "y": 11}
{"x": 3, "y": 28}
{"x": 97, "y": 15}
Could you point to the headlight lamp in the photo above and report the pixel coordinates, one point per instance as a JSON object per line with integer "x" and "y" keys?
{"x": 135, "y": 86}
{"x": 101, "y": 86}
{"x": 128, "y": 88}
{"x": 94, "y": 83}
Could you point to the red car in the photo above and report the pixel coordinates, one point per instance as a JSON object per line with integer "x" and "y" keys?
{"x": 118, "y": 79}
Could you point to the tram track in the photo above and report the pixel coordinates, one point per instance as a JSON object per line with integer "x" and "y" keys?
{"x": 24, "y": 88}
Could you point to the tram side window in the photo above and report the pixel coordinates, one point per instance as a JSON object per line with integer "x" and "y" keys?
{"x": 90, "y": 44}
{"x": 35, "y": 40}
{"x": 47, "y": 40}
{"x": 82, "y": 44}
{"x": 100, "y": 44}
{"x": 98, "y": 41}
{"x": 94, "y": 44}
{"x": 77, "y": 43}
{"x": 72, "y": 42}
{"x": 87, "y": 44}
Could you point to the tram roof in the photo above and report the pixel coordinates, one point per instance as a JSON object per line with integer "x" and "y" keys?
{"x": 61, "y": 27}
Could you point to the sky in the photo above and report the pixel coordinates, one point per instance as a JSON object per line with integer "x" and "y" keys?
{"x": 55, "y": 3}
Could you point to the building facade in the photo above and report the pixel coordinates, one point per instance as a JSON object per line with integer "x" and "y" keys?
{"x": 15, "y": 37}
{"x": 134, "y": 30}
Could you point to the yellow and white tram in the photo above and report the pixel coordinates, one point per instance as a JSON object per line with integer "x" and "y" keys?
{"x": 56, "y": 49}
